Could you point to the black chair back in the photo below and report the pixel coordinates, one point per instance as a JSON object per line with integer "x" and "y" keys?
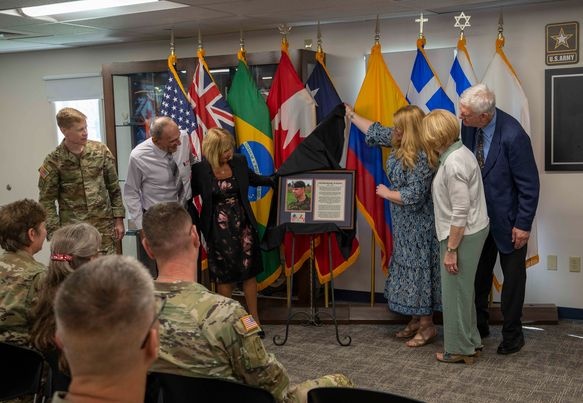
{"x": 351, "y": 395}
{"x": 169, "y": 388}
{"x": 57, "y": 381}
{"x": 20, "y": 371}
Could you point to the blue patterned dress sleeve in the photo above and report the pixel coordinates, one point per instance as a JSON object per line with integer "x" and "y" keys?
{"x": 379, "y": 135}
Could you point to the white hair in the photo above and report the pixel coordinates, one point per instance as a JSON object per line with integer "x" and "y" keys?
{"x": 479, "y": 98}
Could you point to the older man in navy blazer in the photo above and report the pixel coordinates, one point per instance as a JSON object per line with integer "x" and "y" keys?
{"x": 511, "y": 184}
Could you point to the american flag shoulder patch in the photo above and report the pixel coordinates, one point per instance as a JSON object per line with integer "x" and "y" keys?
{"x": 43, "y": 172}
{"x": 249, "y": 323}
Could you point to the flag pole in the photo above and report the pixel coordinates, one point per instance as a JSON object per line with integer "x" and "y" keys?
{"x": 283, "y": 30}
{"x": 499, "y": 44}
{"x": 320, "y": 59}
{"x": 377, "y": 41}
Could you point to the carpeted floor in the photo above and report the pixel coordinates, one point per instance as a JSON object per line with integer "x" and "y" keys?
{"x": 548, "y": 369}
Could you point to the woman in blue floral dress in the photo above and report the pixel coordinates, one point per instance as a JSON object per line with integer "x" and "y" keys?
{"x": 413, "y": 286}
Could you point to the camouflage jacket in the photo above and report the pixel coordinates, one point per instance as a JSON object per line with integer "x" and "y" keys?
{"x": 86, "y": 187}
{"x": 205, "y": 334}
{"x": 20, "y": 276}
{"x": 303, "y": 205}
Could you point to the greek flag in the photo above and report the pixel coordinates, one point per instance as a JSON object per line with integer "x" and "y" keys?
{"x": 425, "y": 89}
{"x": 461, "y": 75}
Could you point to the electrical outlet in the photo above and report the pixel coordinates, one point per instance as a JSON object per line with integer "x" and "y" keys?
{"x": 575, "y": 263}
{"x": 552, "y": 262}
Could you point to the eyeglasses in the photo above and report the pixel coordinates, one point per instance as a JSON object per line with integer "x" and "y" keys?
{"x": 161, "y": 303}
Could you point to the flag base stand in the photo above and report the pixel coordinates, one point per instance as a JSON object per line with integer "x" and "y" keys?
{"x": 312, "y": 316}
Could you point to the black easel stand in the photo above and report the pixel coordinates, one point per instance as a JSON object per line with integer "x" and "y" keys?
{"x": 313, "y": 315}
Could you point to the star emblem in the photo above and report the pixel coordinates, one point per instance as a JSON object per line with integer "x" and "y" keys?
{"x": 561, "y": 39}
{"x": 313, "y": 92}
{"x": 465, "y": 23}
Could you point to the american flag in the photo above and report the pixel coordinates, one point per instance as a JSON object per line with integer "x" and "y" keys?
{"x": 249, "y": 323}
{"x": 209, "y": 105}
{"x": 176, "y": 106}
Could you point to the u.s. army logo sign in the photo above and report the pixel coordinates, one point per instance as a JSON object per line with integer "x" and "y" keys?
{"x": 562, "y": 43}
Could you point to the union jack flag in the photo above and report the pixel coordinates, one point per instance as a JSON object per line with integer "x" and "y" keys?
{"x": 210, "y": 107}
{"x": 176, "y": 106}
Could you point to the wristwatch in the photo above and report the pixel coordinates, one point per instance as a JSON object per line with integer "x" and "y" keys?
{"x": 451, "y": 250}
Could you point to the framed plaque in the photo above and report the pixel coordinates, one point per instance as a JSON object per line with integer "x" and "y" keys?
{"x": 563, "y": 119}
{"x": 317, "y": 197}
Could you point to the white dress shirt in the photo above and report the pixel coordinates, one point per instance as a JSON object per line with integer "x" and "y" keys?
{"x": 458, "y": 192}
{"x": 150, "y": 178}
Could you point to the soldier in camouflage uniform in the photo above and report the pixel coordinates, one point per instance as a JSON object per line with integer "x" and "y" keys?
{"x": 105, "y": 314}
{"x": 202, "y": 333}
{"x": 22, "y": 234}
{"x": 80, "y": 176}
{"x": 302, "y": 202}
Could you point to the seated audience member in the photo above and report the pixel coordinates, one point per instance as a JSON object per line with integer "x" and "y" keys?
{"x": 22, "y": 234}
{"x": 71, "y": 246}
{"x": 106, "y": 325}
{"x": 202, "y": 333}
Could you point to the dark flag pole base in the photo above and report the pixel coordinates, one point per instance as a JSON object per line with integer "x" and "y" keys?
{"x": 313, "y": 315}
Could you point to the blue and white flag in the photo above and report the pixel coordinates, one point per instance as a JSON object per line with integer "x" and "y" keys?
{"x": 425, "y": 89}
{"x": 461, "y": 75}
{"x": 323, "y": 91}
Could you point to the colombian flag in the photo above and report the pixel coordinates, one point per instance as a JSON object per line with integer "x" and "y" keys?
{"x": 253, "y": 127}
{"x": 378, "y": 99}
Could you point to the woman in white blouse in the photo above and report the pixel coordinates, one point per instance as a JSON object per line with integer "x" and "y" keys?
{"x": 461, "y": 222}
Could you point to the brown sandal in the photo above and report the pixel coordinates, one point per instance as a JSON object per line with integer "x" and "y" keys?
{"x": 408, "y": 331}
{"x": 422, "y": 338}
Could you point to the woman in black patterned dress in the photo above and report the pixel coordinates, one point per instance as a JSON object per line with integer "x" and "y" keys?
{"x": 226, "y": 220}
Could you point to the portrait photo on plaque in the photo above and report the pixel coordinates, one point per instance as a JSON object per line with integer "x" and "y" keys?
{"x": 299, "y": 195}
{"x": 317, "y": 197}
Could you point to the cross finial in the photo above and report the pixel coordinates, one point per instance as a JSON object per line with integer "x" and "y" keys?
{"x": 421, "y": 20}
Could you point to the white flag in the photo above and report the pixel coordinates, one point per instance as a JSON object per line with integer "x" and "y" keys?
{"x": 501, "y": 78}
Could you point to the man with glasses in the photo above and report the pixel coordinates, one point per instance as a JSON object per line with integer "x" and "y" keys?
{"x": 204, "y": 334}
{"x": 511, "y": 186}
{"x": 158, "y": 171}
{"x": 106, "y": 324}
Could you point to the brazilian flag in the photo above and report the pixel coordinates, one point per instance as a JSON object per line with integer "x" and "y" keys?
{"x": 255, "y": 141}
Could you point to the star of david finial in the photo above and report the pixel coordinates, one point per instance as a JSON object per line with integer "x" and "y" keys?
{"x": 458, "y": 21}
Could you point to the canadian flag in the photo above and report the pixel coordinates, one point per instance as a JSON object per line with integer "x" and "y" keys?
{"x": 291, "y": 108}
{"x": 293, "y": 117}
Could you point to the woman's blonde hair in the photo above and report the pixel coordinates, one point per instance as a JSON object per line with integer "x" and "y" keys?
{"x": 408, "y": 119}
{"x": 71, "y": 246}
{"x": 217, "y": 141}
{"x": 441, "y": 129}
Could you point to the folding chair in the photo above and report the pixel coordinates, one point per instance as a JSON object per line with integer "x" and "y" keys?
{"x": 351, "y": 395}
{"x": 21, "y": 371}
{"x": 169, "y": 388}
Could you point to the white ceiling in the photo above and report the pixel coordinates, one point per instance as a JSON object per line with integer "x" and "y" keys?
{"x": 19, "y": 34}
